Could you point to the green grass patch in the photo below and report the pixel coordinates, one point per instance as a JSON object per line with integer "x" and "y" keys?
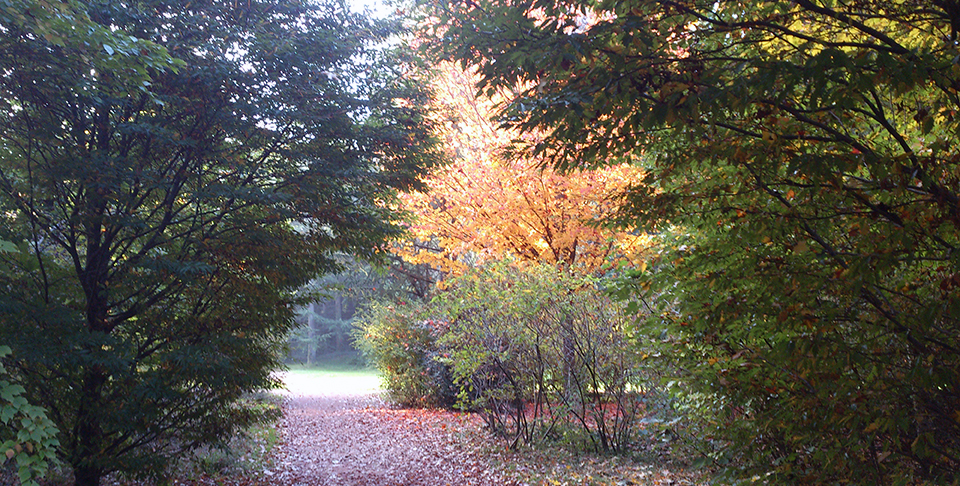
{"x": 332, "y": 370}
{"x": 332, "y": 376}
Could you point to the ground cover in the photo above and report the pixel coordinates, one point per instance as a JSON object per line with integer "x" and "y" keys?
{"x": 338, "y": 430}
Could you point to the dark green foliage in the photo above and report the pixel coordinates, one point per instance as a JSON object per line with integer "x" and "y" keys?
{"x": 245, "y": 455}
{"x": 802, "y": 176}
{"x": 164, "y": 217}
{"x": 28, "y": 436}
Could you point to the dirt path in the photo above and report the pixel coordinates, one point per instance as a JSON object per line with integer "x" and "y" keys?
{"x": 352, "y": 438}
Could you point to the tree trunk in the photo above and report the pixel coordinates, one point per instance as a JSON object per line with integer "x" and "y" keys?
{"x": 85, "y": 456}
{"x": 571, "y": 389}
{"x": 338, "y": 317}
{"x": 311, "y": 333}
{"x": 87, "y": 476}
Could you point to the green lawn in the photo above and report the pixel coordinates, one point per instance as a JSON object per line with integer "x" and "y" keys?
{"x": 332, "y": 377}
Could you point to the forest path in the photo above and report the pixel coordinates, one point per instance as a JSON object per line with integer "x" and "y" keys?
{"x": 338, "y": 431}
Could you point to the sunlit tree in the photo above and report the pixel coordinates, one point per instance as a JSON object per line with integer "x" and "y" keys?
{"x": 491, "y": 202}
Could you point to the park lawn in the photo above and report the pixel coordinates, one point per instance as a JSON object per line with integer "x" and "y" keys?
{"x": 331, "y": 377}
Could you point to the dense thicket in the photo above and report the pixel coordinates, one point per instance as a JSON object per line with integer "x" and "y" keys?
{"x": 169, "y": 173}
{"x": 802, "y": 174}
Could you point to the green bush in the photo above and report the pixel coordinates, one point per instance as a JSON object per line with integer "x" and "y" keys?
{"x": 543, "y": 354}
{"x": 399, "y": 339}
{"x": 27, "y": 436}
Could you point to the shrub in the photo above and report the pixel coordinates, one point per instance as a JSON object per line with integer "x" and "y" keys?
{"x": 541, "y": 353}
{"x": 538, "y": 350}
{"x": 399, "y": 339}
{"x": 27, "y": 436}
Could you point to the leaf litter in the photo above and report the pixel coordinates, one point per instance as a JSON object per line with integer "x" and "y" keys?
{"x": 342, "y": 434}
{"x": 329, "y": 436}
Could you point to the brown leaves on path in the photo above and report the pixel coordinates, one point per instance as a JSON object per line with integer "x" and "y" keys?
{"x": 333, "y": 435}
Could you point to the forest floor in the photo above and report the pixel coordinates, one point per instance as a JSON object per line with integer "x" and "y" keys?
{"x": 337, "y": 430}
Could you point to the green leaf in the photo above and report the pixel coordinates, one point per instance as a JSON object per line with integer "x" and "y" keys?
{"x": 8, "y": 247}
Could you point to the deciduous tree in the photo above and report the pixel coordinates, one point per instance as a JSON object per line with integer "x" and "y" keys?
{"x": 490, "y": 201}
{"x": 802, "y": 169}
{"x": 163, "y": 211}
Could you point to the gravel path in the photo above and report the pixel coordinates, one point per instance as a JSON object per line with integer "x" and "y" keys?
{"x": 341, "y": 433}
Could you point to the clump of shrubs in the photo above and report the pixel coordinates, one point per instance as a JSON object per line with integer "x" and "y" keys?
{"x": 542, "y": 354}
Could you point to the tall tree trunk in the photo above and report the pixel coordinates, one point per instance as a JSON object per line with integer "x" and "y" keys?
{"x": 311, "y": 333}
{"x": 85, "y": 457}
{"x": 87, "y": 476}
{"x": 338, "y": 317}
{"x": 571, "y": 390}
{"x": 86, "y": 454}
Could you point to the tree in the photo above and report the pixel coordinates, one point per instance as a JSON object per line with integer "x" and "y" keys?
{"x": 801, "y": 169}
{"x": 67, "y": 25}
{"x": 490, "y": 202}
{"x": 325, "y": 323}
{"x": 164, "y": 212}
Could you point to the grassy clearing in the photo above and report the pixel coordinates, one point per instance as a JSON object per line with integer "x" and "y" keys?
{"x": 332, "y": 371}
{"x": 331, "y": 377}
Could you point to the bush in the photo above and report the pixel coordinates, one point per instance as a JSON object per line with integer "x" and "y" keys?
{"x": 27, "y": 436}
{"x": 542, "y": 353}
{"x": 399, "y": 339}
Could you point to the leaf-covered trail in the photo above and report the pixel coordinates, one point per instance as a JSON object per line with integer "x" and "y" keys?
{"x": 336, "y": 433}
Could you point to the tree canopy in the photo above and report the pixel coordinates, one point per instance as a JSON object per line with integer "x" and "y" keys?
{"x": 802, "y": 173}
{"x": 169, "y": 174}
{"x": 491, "y": 201}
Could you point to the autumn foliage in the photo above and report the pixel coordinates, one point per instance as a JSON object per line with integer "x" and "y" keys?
{"x": 492, "y": 202}
{"x": 802, "y": 178}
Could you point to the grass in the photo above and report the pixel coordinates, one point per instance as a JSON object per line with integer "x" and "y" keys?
{"x": 334, "y": 370}
{"x": 338, "y": 374}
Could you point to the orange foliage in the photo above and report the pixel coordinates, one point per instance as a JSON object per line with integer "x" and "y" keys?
{"x": 491, "y": 203}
